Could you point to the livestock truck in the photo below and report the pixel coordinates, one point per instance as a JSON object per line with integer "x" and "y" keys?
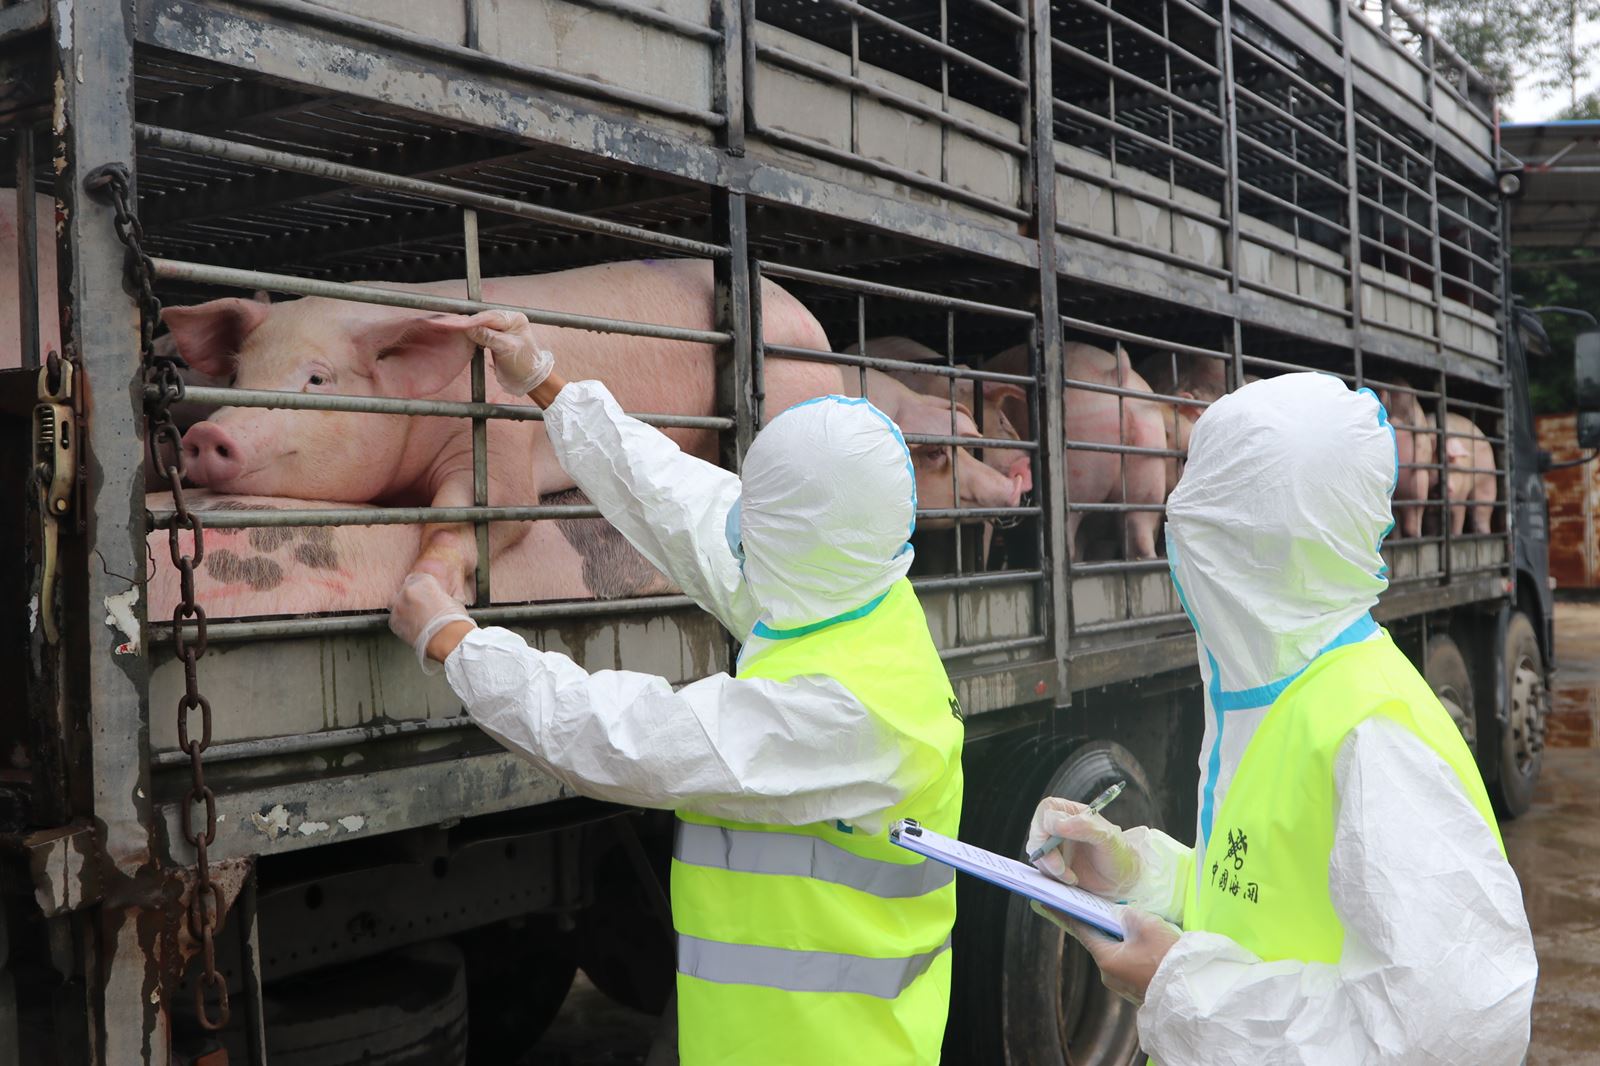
{"x": 230, "y": 835}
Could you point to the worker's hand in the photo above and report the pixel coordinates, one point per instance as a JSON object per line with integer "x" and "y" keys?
{"x": 520, "y": 365}
{"x": 429, "y": 619}
{"x": 1126, "y": 966}
{"x": 1094, "y": 855}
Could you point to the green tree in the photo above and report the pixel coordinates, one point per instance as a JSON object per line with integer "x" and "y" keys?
{"x": 1506, "y": 40}
{"x": 1586, "y": 106}
{"x": 1510, "y": 41}
{"x": 1571, "y": 61}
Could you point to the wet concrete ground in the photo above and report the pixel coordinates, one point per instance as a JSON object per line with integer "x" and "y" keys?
{"x": 1555, "y": 848}
{"x": 1575, "y": 709}
{"x": 593, "y": 1031}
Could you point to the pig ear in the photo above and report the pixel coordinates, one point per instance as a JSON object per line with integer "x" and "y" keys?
{"x": 1012, "y": 400}
{"x": 209, "y": 335}
{"x": 416, "y": 357}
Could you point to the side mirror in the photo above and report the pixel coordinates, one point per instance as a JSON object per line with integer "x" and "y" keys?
{"x": 1586, "y": 376}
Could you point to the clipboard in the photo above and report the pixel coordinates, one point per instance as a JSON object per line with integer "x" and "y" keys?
{"x": 1009, "y": 874}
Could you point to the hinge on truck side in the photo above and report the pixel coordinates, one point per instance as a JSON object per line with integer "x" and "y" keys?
{"x": 55, "y": 475}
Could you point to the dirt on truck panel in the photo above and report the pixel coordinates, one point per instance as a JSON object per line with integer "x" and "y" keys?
{"x": 1042, "y": 237}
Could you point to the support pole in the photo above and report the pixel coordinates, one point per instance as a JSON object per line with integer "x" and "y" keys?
{"x": 104, "y": 685}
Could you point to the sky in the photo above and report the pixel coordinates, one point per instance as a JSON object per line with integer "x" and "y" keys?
{"x": 1531, "y": 104}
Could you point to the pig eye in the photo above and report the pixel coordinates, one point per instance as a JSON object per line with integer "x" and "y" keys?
{"x": 317, "y": 379}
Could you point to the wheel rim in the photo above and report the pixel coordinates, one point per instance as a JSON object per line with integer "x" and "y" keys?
{"x": 1457, "y": 707}
{"x": 1097, "y": 1026}
{"x": 1525, "y": 720}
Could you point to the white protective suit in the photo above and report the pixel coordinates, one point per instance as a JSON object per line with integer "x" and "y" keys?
{"x": 817, "y": 529}
{"x": 1273, "y": 538}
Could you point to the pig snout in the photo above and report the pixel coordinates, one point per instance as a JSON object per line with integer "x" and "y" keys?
{"x": 214, "y": 458}
{"x": 1021, "y": 472}
{"x": 984, "y": 486}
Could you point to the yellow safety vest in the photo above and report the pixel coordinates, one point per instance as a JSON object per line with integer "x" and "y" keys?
{"x": 1263, "y": 879}
{"x": 823, "y": 945}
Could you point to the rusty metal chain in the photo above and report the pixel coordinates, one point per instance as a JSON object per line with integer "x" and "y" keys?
{"x": 205, "y": 906}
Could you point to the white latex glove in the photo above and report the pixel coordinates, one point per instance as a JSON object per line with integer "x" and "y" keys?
{"x": 1093, "y": 855}
{"x": 520, "y": 365}
{"x": 420, "y": 609}
{"x": 1126, "y": 966}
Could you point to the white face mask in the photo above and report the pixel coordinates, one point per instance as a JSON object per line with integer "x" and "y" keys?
{"x": 1274, "y": 531}
{"x": 825, "y": 513}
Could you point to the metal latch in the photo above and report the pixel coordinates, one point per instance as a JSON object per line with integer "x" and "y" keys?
{"x": 55, "y": 473}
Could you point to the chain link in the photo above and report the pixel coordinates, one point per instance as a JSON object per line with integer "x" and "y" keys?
{"x": 205, "y": 907}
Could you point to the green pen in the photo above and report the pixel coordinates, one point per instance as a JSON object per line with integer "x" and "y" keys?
{"x": 1098, "y": 804}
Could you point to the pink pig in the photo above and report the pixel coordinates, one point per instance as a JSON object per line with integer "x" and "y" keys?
{"x": 1103, "y": 418}
{"x": 1198, "y": 378}
{"x": 1470, "y": 459}
{"x": 1004, "y": 407}
{"x": 44, "y": 214}
{"x": 318, "y": 345}
{"x": 1415, "y": 447}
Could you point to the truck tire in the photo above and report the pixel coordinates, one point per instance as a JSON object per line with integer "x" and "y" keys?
{"x": 1025, "y": 992}
{"x": 1445, "y": 669}
{"x": 623, "y": 945}
{"x": 518, "y": 975}
{"x": 404, "y": 1008}
{"x": 1519, "y": 739}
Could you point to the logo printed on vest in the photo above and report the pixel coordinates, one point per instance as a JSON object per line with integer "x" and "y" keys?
{"x": 1231, "y": 881}
{"x": 955, "y": 709}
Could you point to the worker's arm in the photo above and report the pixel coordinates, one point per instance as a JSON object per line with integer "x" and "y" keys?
{"x": 1438, "y": 963}
{"x": 672, "y": 507}
{"x": 786, "y": 753}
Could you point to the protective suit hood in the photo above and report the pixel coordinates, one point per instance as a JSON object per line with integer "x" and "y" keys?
{"x": 825, "y": 513}
{"x": 1273, "y": 533}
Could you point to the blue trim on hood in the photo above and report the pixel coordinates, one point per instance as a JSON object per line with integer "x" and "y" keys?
{"x": 1264, "y": 695}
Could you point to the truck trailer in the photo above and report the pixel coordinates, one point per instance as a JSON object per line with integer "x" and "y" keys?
{"x": 233, "y": 836}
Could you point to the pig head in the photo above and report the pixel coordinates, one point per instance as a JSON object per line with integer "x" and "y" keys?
{"x": 317, "y": 346}
{"x": 940, "y": 468}
{"x": 995, "y": 410}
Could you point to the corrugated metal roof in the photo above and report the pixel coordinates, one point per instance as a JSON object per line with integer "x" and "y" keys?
{"x": 1560, "y": 202}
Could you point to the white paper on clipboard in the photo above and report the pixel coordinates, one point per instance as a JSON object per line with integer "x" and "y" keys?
{"x": 1010, "y": 874}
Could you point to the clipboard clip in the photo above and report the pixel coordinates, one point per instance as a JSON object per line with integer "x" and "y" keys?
{"x": 908, "y": 826}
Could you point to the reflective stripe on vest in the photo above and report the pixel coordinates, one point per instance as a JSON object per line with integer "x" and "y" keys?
{"x": 801, "y": 971}
{"x": 787, "y": 854}
{"x": 826, "y": 944}
{"x": 1263, "y": 877}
